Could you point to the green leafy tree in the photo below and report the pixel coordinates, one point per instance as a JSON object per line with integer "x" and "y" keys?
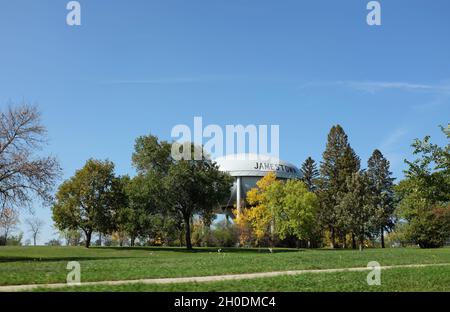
{"x": 431, "y": 227}
{"x": 432, "y": 168}
{"x": 187, "y": 187}
{"x": 71, "y": 237}
{"x": 424, "y": 195}
{"x": 170, "y": 229}
{"x": 152, "y": 155}
{"x": 195, "y": 187}
{"x": 294, "y": 209}
{"x": 140, "y": 216}
{"x": 89, "y": 200}
{"x": 382, "y": 188}
{"x": 152, "y": 160}
{"x": 310, "y": 174}
{"x": 339, "y": 162}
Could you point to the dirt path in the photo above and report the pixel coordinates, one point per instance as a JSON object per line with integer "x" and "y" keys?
{"x": 202, "y": 279}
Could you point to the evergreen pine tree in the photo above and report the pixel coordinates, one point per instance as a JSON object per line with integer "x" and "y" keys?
{"x": 339, "y": 162}
{"x": 382, "y": 185}
{"x": 310, "y": 174}
{"x": 357, "y": 207}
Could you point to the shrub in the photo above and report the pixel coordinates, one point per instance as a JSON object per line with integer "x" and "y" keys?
{"x": 14, "y": 240}
{"x": 54, "y": 242}
{"x": 430, "y": 229}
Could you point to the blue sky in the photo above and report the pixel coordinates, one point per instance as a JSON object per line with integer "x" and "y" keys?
{"x": 139, "y": 67}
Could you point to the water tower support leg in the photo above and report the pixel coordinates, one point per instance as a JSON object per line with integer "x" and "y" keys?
{"x": 238, "y": 195}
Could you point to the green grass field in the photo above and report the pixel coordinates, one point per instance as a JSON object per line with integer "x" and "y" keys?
{"x": 36, "y": 265}
{"x": 414, "y": 279}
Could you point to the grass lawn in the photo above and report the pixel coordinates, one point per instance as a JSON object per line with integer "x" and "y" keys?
{"x": 411, "y": 279}
{"x": 35, "y": 265}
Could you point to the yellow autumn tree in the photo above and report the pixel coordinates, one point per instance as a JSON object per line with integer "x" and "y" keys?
{"x": 277, "y": 209}
{"x": 244, "y": 228}
{"x": 259, "y": 217}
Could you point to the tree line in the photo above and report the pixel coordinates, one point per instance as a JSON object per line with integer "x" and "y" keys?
{"x": 360, "y": 205}
{"x": 337, "y": 203}
{"x": 158, "y": 203}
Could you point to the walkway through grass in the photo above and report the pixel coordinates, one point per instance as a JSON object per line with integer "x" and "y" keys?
{"x": 210, "y": 279}
{"x": 410, "y": 279}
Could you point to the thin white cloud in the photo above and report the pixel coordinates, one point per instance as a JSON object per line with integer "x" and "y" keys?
{"x": 375, "y": 86}
{"x": 197, "y": 79}
{"x": 435, "y": 104}
{"x": 172, "y": 80}
{"x": 389, "y": 144}
{"x": 391, "y": 149}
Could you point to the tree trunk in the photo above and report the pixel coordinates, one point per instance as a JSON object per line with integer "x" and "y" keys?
{"x": 353, "y": 241}
{"x": 88, "y": 239}
{"x": 187, "y": 227}
{"x": 34, "y": 240}
{"x": 181, "y": 238}
{"x": 333, "y": 237}
{"x": 382, "y": 238}
{"x": 132, "y": 241}
{"x": 100, "y": 239}
{"x": 361, "y": 244}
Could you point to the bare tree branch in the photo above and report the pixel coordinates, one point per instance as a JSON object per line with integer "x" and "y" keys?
{"x": 23, "y": 173}
{"x": 35, "y": 227}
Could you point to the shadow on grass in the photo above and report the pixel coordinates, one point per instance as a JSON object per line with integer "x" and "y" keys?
{"x": 182, "y": 250}
{"x": 6, "y": 259}
{"x": 205, "y": 249}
